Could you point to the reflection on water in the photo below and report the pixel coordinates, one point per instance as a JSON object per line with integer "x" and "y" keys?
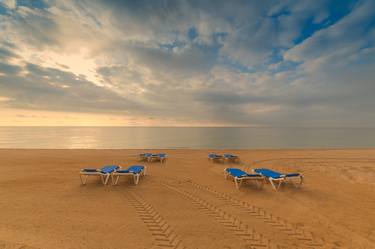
{"x": 146, "y": 137}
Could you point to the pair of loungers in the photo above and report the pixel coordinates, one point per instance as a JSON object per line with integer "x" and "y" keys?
{"x": 260, "y": 175}
{"x": 149, "y": 157}
{"x": 223, "y": 158}
{"x": 114, "y": 172}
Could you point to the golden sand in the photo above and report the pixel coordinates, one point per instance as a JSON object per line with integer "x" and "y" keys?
{"x": 186, "y": 203}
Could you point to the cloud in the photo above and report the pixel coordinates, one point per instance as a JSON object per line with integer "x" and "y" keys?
{"x": 216, "y": 62}
{"x": 11, "y": 4}
{"x": 6, "y": 54}
{"x": 53, "y": 89}
{"x": 9, "y": 69}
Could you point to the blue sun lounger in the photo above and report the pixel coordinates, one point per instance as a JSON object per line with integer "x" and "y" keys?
{"x": 135, "y": 170}
{"x": 215, "y": 157}
{"x": 231, "y": 158}
{"x": 145, "y": 156}
{"x": 158, "y": 157}
{"x": 239, "y": 175}
{"x": 276, "y": 178}
{"x": 104, "y": 173}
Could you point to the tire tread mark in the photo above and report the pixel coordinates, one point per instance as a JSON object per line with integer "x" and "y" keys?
{"x": 160, "y": 230}
{"x": 11, "y": 245}
{"x": 306, "y": 237}
{"x": 250, "y": 236}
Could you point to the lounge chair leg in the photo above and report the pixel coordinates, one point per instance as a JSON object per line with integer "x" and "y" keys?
{"x": 112, "y": 179}
{"x": 273, "y": 185}
{"x": 84, "y": 180}
{"x": 225, "y": 174}
{"x": 117, "y": 179}
{"x": 264, "y": 180}
{"x": 280, "y": 182}
{"x": 106, "y": 178}
{"x": 299, "y": 184}
{"x": 136, "y": 179}
{"x": 237, "y": 183}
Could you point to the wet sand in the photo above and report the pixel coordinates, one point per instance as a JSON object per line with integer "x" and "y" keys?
{"x": 186, "y": 202}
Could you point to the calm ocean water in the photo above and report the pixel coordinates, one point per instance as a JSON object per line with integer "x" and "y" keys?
{"x": 213, "y": 138}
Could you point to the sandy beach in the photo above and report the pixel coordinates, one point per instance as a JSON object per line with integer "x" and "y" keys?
{"x": 186, "y": 202}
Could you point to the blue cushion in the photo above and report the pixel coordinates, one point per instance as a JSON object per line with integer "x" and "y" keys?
{"x": 269, "y": 173}
{"x": 236, "y": 172}
{"x": 229, "y": 156}
{"x": 135, "y": 169}
{"x": 109, "y": 169}
{"x": 146, "y": 154}
{"x": 159, "y": 155}
{"x": 293, "y": 174}
{"x": 122, "y": 171}
{"x": 211, "y": 155}
{"x": 274, "y": 174}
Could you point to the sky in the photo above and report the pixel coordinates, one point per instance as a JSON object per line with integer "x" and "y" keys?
{"x": 187, "y": 63}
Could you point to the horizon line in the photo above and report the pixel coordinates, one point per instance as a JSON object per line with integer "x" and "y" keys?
{"x": 184, "y": 126}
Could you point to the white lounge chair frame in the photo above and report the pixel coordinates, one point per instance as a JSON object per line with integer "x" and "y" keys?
{"x": 276, "y": 182}
{"x": 83, "y": 175}
{"x": 157, "y": 157}
{"x": 136, "y": 176}
{"x": 234, "y": 159}
{"x": 143, "y": 157}
{"x": 216, "y": 159}
{"x": 238, "y": 180}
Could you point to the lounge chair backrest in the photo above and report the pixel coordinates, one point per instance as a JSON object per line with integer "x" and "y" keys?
{"x": 236, "y": 172}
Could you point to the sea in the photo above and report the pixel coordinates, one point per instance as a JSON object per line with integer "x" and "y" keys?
{"x": 185, "y": 137}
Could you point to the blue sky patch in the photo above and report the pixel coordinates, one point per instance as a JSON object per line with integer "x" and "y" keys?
{"x": 337, "y": 10}
{"x": 38, "y": 4}
{"x": 192, "y": 33}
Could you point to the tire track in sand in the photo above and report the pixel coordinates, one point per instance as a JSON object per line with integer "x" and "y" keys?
{"x": 253, "y": 239}
{"x": 10, "y": 245}
{"x": 306, "y": 238}
{"x": 156, "y": 224}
